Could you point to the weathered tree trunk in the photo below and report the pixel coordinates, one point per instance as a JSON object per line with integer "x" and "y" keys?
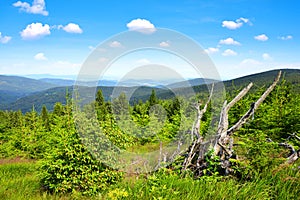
{"x": 195, "y": 132}
{"x": 223, "y": 142}
{"x": 294, "y": 154}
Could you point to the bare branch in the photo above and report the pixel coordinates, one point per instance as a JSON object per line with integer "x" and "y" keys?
{"x": 290, "y": 147}
{"x": 242, "y": 121}
{"x": 268, "y": 91}
{"x": 295, "y": 136}
{"x": 222, "y": 142}
{"x": 223, "y": 123}
{"x": 253, "y": 107}
{"x": 200, "y": 113}
{"x": 239, "y": 96}
{"x": 191, "y": 154}
{"x": 294, "y": 155}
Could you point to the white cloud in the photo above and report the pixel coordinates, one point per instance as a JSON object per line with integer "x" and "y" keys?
{"x": 266, "y": 57}
{"x": 229, "y": 52}
{"x": 250, "y": 62}
{"x": 288, "y": 37}
{"x": 35, "y": 30}
{"x": 37, "y": 7}
{"x": 164, "y": 44}
{"x": 40, "y": 56}
{"x": 4, "y": 39}
{"x": 115, "y": 44}
{"x": 141, "y": 25}
{"x": 261, "y": 37}
{"x": 71, "y": 28}
{"x": 229, "y": 41}
{"x": 91, "y": 47}
{"x": 211, "y": 50}
{"x": 231, "y": 24}
{"x": 236, "y": 24}
{"x": 245, "y": 20}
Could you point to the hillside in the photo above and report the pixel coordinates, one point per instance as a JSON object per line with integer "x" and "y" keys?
{"x": 292, "y": 76}
{"x": 14, "y": 87}
{"x": 22, "y": 84}
{"x": 16, "y": 98}
{"x": 51, "y": 96}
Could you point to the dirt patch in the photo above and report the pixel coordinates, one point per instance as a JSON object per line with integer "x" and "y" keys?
{"x": 15, "y": 160}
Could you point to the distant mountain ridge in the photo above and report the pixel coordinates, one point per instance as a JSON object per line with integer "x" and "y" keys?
{"x": 19, "y": 93}
{"x": 15, "y": 87}
{"x": 22, "y": 84}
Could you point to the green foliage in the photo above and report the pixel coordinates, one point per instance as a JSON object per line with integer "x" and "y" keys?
{"x": 99, "y": 98}
{"x": 72, "y": 168}
{"x": 73, "y": 159}
{"x": 256, "y": 155}
{"x": 45, "y": 118}
{"x": 165, "y": 184}
{"x": 75, "y": 170}
{"x": 153, "y": 98}
{"x": 18, "y": 181}
{"x": 276, "y": 118}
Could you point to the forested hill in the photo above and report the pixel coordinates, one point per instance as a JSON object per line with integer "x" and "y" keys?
{"x": 260, "y": 79}
{"x": 14, "y": 87}
{"x": 14, "y": 91}
{"x": 51, "y": 96}
{"x": 22, "y": 84}
{"x": 291, "y": 76}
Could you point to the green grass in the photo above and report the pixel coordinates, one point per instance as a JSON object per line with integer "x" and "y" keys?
{"x": 281, "y": 184}
{"x": 18, "y": 181}
{"x": 21, "y": 181}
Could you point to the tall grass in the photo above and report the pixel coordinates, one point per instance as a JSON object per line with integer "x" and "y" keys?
{"x": 282, "y": 184}
{"x": 18, "y": 181}
{"x": 21, "y": 181}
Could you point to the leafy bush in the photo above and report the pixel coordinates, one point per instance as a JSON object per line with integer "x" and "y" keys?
{"x": 70, "y": 168}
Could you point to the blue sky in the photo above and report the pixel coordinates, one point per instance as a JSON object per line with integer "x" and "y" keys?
{"x": 241, "y": 36}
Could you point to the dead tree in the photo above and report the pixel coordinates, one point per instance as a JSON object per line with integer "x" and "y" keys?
{"x": 195, "y": 132}
{"x": 294, "y": 154}
{"x": 222, "y": 143}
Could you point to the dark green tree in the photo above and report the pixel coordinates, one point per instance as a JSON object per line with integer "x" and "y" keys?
{"x": 102, "y": 108}
{"x": 58, "y": 109}
{"x": 153, "y": 98}
{"x": 99, "y": 98}
{"x": 45, "y": 118}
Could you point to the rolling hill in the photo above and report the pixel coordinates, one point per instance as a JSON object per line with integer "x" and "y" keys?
{"x": 15, "y": 87}
{"x": 39, "y": 93}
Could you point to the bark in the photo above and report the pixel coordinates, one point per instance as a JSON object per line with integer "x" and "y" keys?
{"x": 222, "y": 147}
{"x": 223, "y": 141}
{"x": 196, "y": 132}
{"x": 294, "y": 154}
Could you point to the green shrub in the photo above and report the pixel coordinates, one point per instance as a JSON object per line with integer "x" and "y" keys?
{"x": 70, "y": 168}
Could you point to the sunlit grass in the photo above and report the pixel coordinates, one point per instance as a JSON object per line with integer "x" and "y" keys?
{"x": 21, "y": 181}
